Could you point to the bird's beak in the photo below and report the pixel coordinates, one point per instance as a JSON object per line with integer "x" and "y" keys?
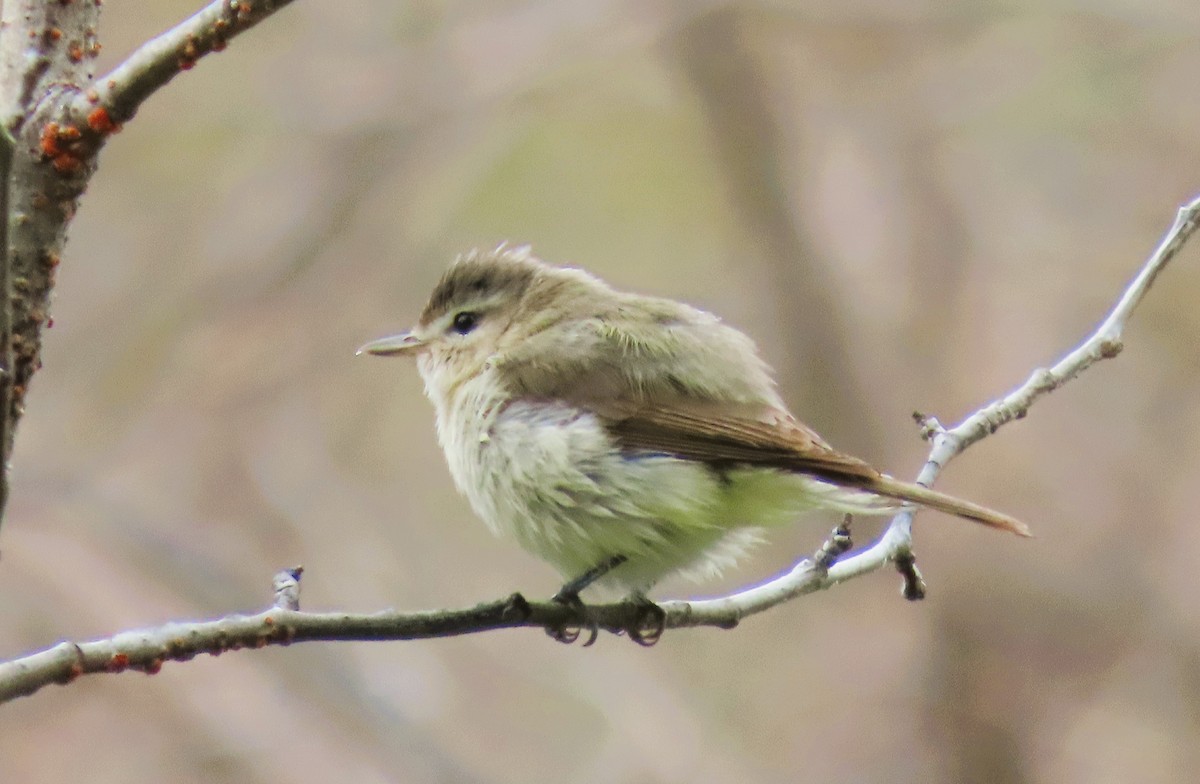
{"x": 404, "y": 344}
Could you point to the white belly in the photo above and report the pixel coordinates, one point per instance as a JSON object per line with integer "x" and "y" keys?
{"x": 549, "y": 476}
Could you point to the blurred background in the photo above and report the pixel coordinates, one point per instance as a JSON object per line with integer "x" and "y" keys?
{"x": 910, "y": 206}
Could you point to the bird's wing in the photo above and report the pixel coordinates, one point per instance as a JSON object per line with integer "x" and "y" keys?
{"x": 726, "y": 434}
{"x": 673, "y": 380}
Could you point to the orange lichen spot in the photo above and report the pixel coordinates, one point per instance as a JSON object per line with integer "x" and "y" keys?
{"x": 67, "y": 163}
{"x": 118, "y": 663}
{"x": 63, "y": 146}
{"x": 49, "y": 141}
{"x": 93, "y": 96}
{"x": 53, "y": 34}
{"x": 218, "y": 45}
{"x": 100, "y": 122}
{"x": 93, "y": 49}
{"x": 52, "y": 259}
{"x": 153, "y": 666}
{"x": 268, "y": 621}
{"x": 75, "y": 52}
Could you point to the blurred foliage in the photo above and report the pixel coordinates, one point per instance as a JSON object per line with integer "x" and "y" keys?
{"x": 910, "y": 205}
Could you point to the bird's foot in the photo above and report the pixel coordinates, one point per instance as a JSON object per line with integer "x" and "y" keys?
{"x": 649, "y": 621}
{"x": 568, "y": 595}
{"x": 570, "y": 632}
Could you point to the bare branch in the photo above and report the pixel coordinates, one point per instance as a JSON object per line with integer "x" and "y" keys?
{"x": 1104, "y": 343}
{"x": 148, "y": 649}
{"x": 159, "y": 60}
{"x": 284, "y": 623}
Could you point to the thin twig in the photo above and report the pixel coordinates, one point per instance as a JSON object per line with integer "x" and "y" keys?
{"x": 159, "y": 60}
{"x": 1104, "y": 343}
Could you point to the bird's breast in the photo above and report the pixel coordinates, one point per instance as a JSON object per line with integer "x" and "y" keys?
{"x": 466, "y": 416}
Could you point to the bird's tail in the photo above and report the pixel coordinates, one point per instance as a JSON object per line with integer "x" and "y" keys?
{"x": 913, "y": 493}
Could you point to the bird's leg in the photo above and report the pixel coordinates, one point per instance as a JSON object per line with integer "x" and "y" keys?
{"x": 569, "y": 595}
{"x": 576, "y": 586}
{"x": 649, "y": 622}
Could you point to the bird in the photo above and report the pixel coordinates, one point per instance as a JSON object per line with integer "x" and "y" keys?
{"x": 623, "y": 438}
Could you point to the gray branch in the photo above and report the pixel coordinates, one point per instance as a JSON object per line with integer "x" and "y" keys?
{"x": 284, "y": 623}
{"x": 161, "y": 59}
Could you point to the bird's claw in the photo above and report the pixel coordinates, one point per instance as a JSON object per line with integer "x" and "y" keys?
{"x": 649, "y": 622}
{"x": 568, "y": 633}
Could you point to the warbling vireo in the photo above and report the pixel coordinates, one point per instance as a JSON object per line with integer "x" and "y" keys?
{"x": 622, "y": 438}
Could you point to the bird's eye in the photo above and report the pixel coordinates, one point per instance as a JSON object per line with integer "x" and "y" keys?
{"x": 464, "y": 322}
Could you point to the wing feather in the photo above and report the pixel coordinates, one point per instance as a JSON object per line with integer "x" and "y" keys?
{"x": 728, "y": 434}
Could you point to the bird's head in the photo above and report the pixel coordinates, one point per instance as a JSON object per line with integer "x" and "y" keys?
{"x": 487, "y": 303}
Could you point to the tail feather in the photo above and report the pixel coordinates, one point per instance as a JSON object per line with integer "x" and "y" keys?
{"x": 914, "y": 493}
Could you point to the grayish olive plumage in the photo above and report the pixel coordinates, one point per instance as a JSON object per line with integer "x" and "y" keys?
{"x": 589, "y": 423}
